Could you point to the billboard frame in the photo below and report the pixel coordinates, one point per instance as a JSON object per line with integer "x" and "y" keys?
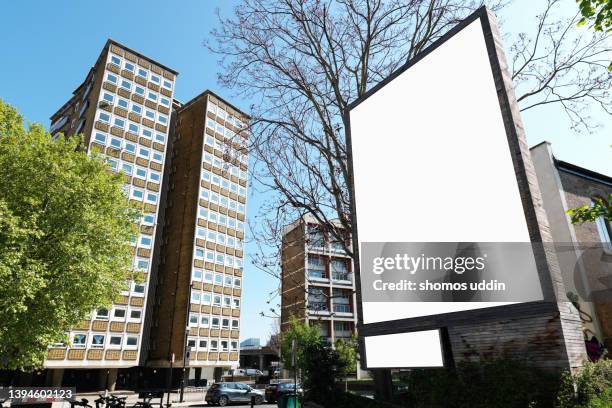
{"x": 535, "y": 217}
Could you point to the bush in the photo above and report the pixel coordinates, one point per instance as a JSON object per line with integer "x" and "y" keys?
{"x": 591, "y": 387}
{"x": 499, "y": 384}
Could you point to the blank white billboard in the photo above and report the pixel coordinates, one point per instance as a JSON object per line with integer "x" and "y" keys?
{"x": 415, "y": 349}
{"x": 431, "y": 162}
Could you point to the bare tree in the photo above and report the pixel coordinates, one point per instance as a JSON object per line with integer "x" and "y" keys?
{"x": 303, "y": 61}
{"x": 563, "y": 64}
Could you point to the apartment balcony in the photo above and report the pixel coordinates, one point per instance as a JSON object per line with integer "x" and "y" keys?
{"x": 317, "y": 275}
{"x": 327, "y": 250}
{"x": 318, "y": 307}
{"x": 342, "y": 309}
{"x": 343, "y": 335}
{"x": 326, "y": 340}
{"x": 342, "y": 278}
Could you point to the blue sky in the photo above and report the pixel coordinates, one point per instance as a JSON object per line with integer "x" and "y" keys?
{"x": 48, "y": 47}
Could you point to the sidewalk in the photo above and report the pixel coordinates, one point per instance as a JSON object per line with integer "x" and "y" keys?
{"x": 190, "y": 397}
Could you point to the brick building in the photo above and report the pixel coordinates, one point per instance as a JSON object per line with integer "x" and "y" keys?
{"x": 565, "y": 186}
{"x": 317, "y": 283}
{"x": 185, "y": 165}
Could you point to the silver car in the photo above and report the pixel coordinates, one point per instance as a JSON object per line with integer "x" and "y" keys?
{"x": 225, "y": 393}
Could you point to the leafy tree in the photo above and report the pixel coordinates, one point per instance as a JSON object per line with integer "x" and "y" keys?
{"x": 348, "y": 352}
{"x": 599, "y": 12}
{"x": 65, "y": 232}
{"x": 304, "y": 335}
{"x": 320, "y": 364}
{"x": 601, "y": 208}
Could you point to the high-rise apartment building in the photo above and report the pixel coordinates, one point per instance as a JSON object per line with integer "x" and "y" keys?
{"x": 197, "y": 316}
{"x": 123, "y": 109}
{"x": 317, "y": 284}
{"x": 185, "y": 165}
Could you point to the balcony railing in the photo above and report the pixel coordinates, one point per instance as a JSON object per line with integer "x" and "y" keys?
{"x": 318, "y": 306}
{"x": 317, "y": 274}
{"x": 344, "y": 335}
{"x": 342, "y": 276}
{"x": 342, "y": 308}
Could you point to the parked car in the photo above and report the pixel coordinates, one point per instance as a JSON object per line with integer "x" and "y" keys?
{"x": 252, "y": 372}
{"x": 274, "y": 391}
{"x": 224, "y": 393}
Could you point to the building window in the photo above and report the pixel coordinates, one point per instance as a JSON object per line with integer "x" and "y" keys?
{"x": 79, "y": 340}
{"x": 114, "y": 341}
{"x": 130, "y": 147}
{"x": 152, "y": 198}
{"x": 167, "y": 84}
{"x": 115, "y": 60}
{"x": 154, "y": 78}
{"x": 104, "y": 117}
{"x": 317, "y": 301}
{"x": 108, "y": 97}
{"x": 139, "y": 90}
{"x": 135, "y": 314}
{"x": 119, "y": 313}
{"x": 100, "y": 138}
{"x": 193, "y": 319}
{"x": 133, "y": 128}
{"x": 235, "y": 324}
{"x": 339, "y": 269}
{"x": 204, "y": 321}
{"x": 102, "y": 314}
{"x": 213, "y": 345}
{"x": 141, "y": 173}
{"x": 126, "y": 85}
{"x": 215, "y": 322}
{"x": 97, "y": 341}
{"x": 342, "y": 330}
{"x": 122, "y": 103}
{"x": 129, "y": 67}
{"x": 119, "y": 123}
{"x": 111, "y": 78}
{"x": 116, "y": 143}
{"x": 234, "y": 345}
{"x": 137, "y": 194}
{"x": 316, "y": 267}
{"x": 315, "y": 236}
{"x": 605, "y": 232}
{"x": 341, "y": 300}
{"x": 203, "y": 344}
{"x": 132, "y": 341}
{"x": 195, "y": 297}
{"x": 143, "y": 264}
{"x": 224, "y": 345}
{"x": 139, "y": 288}
{"x": 127, "y": 169}
{"x": 142, "y": 73}
{"x": 225, "y": 323}
{"x": 157, "y": 157}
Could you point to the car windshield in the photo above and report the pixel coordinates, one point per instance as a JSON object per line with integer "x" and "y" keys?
{"x": 289, "y": 385}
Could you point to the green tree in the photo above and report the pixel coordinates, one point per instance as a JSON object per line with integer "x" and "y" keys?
{"x": 347, "y": 352}
{"x": 320, "y": 364}
{"x": 65, "y": 233}
{"x": 589, "y": 213}
{"x": 598, "y": 12}
{"x": 304, "y": 335}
